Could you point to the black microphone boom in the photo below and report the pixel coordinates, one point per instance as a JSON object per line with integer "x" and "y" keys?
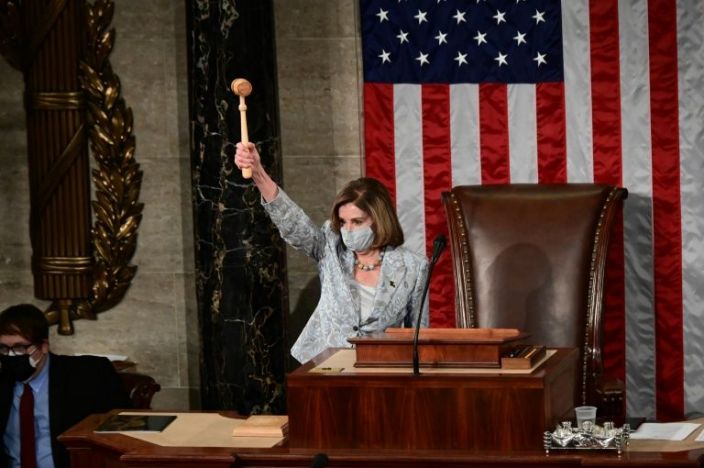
{"x": 438, "y": 246}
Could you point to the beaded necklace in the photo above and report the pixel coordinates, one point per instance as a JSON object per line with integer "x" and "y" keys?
{"x": 369, "y": 266}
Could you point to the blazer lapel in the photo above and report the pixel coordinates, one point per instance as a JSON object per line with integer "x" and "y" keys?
{"x": 393, "y": 272}
{"x": 7, "y": 387}
{"x": 344, "y": 266}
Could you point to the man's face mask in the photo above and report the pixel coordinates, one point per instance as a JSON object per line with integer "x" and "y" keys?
{"x": 19, "y": 367}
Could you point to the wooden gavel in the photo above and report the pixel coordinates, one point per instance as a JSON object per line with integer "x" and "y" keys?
{"x": 243, "y": 88}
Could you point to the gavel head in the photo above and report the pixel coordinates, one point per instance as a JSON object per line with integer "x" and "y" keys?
{"x": 241, "y": 87}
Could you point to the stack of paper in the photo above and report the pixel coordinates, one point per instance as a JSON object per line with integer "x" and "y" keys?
{"x": 664, "y": 431}
{"x": 262, "y": 425}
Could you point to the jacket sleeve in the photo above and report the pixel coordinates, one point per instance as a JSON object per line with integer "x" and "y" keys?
{"x": 112, "y": 393}
{"x": 295, "y": 227}
{"x": 414, "y": 304}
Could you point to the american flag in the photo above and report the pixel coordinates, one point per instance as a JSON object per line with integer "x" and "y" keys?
{"x": 544, "y": 91}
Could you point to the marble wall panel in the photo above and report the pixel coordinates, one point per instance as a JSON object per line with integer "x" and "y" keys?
{"x": 240, "y": 259}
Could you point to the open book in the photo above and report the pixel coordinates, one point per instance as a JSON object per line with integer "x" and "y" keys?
{"x": 262, "y": 425}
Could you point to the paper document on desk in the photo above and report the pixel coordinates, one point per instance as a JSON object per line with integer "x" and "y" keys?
{"x": 664, "y": 431}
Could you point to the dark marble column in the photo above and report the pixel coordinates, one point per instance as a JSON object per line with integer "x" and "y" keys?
{"x": 241, "y": 269}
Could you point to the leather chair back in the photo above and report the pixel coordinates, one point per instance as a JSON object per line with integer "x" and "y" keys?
{"x": 533, "y": 257}
{"x": 140, "y": 388}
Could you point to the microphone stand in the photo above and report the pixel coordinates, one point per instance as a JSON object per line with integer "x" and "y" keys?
{"x": 438, "y": 246}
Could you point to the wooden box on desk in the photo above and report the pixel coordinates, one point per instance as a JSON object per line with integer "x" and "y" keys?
{"x": 442, "y": 409}
{"x": 437, "y": 347}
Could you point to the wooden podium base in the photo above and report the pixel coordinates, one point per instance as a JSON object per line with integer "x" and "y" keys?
{"x": 397, "y": 410}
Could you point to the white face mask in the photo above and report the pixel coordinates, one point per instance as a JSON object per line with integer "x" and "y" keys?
{"x": 358, "y": 240}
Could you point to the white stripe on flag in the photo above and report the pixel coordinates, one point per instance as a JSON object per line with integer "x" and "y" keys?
{"x": 578, "y": 116}
{"x": 522, "y": 133}
{"x": 638, "y": 225}
{"x": 408, "y": 140}
{"x": 464, "y": 137}
{"x": 690, "y": 18}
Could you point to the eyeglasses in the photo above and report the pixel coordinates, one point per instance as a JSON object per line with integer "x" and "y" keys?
{"x": 17, "y": 350}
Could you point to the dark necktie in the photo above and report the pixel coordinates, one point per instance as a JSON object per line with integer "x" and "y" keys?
{"x": 28, "y": 454}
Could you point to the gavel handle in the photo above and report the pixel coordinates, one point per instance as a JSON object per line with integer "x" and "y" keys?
{"x": 246, "y": 171}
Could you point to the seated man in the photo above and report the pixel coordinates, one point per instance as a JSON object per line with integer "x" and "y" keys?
{"x": 43, "y": 394}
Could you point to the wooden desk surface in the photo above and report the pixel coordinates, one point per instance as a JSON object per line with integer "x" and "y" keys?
{"x": 91, "y": 450}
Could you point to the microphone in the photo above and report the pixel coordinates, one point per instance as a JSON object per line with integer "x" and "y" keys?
{"x": 438, "y": 246}
{"x": 320, "y": 460}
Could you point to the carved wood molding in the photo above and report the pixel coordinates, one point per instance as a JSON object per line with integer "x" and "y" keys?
{"x": 117, "y": 179}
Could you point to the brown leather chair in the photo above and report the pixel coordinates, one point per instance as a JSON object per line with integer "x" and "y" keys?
{"x": 140, "y": 388}
{"x": 533, "y": 257}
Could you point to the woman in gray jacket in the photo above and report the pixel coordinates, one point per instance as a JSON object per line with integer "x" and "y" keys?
{"x": 369, "y": 282}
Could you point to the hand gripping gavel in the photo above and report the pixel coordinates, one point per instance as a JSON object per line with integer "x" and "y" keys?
{"x": 243, "y": 88}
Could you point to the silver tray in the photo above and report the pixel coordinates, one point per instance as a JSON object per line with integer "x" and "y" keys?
{"x": 588, "y": 437}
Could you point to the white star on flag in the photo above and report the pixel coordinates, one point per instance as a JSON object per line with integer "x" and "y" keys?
{"x": 402, "y": 36}
{"x": 539, "y": 16}
{"x": 540, "y": 58}
{"x": 499, "y": 17}
{"x": 480, "y": 37}
{"x": 441, "y": 37}
{"x": 421, "y": 16}
{"x": 423, "y": 59}
{"x": 383, "y": 15}
{"x": 501, "y": 58}
{"x": 520, "y": 38}
{"x": 461, "y": 59}
{"x": 459, "y": 16}
{"x": 384, "y": 56}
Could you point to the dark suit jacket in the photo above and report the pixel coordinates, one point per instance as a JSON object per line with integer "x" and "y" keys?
{"x": 78, "y": 386}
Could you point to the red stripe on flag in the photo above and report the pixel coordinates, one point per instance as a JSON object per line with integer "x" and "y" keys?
{"x": 606, "y": 95}
{"x": 493, "y": 133}
{"x": 437, "y": 179}
{"x": 608, "y": 168}
{"x": 379, "y": 134}
{"x": 552, "y": 140}
{"x": 667, "y": 230}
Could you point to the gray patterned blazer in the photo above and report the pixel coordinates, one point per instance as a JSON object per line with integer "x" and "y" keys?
{"x": 337, "y": 315}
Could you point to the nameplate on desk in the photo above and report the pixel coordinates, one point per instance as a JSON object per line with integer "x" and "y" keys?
{"x": 327, "y": 370}
{"x": 523, "y": 357}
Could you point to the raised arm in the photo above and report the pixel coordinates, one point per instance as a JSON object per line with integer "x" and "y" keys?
{"x": 247, "y": 156}
{"x": 294, "y": 225}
